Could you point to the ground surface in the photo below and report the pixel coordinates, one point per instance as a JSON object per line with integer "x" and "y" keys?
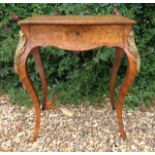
{"x": 88, "y": 129}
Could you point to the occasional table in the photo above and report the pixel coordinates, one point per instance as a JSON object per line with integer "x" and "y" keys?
{"x": 76, "y": 33}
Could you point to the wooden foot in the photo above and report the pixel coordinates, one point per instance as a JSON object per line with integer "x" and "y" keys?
{"x": 48, "y": 105}
{"x": 116, "y": 65}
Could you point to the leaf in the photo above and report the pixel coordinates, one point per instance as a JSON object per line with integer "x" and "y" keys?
{"x": 66, "y": 112}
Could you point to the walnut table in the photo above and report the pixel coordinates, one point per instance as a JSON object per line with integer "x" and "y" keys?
{"x": 76, "y": 33}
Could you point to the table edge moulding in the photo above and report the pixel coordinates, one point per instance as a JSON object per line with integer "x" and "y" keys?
{"x": 76, "y": 33}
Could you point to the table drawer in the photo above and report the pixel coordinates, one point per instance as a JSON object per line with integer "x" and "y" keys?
{"x": 77, "y": 37}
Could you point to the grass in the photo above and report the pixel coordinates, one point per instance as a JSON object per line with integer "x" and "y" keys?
{"x": 18, "y": 95}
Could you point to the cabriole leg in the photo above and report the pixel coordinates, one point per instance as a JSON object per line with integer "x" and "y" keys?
{"x": 26, "y": 81}
{"x": 21, "y": 56}
{"x": 116, "y": 65}
{"x": 40, "y": 69}
{"x": 133, "y": 67}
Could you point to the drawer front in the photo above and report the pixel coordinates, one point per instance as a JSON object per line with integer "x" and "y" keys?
{"x": 77, "y": 38}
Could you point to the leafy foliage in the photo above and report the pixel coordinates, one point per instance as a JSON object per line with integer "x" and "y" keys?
{"x": 73, "y": 78}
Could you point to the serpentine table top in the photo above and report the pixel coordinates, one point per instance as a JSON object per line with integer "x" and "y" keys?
{"x": 77, "y": 20}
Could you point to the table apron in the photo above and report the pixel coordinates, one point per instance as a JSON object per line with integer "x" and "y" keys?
{"x": 76, "y": 37}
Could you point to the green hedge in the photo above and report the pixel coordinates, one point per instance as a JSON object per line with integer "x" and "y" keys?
{"x": 75, "y": 78}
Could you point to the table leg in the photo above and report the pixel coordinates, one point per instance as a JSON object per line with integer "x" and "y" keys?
{"x": 27, "y": 83}
{"x": 133, "y": 67}
{"x": 116, "y": 65}
{"x": 40, "y": 69}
